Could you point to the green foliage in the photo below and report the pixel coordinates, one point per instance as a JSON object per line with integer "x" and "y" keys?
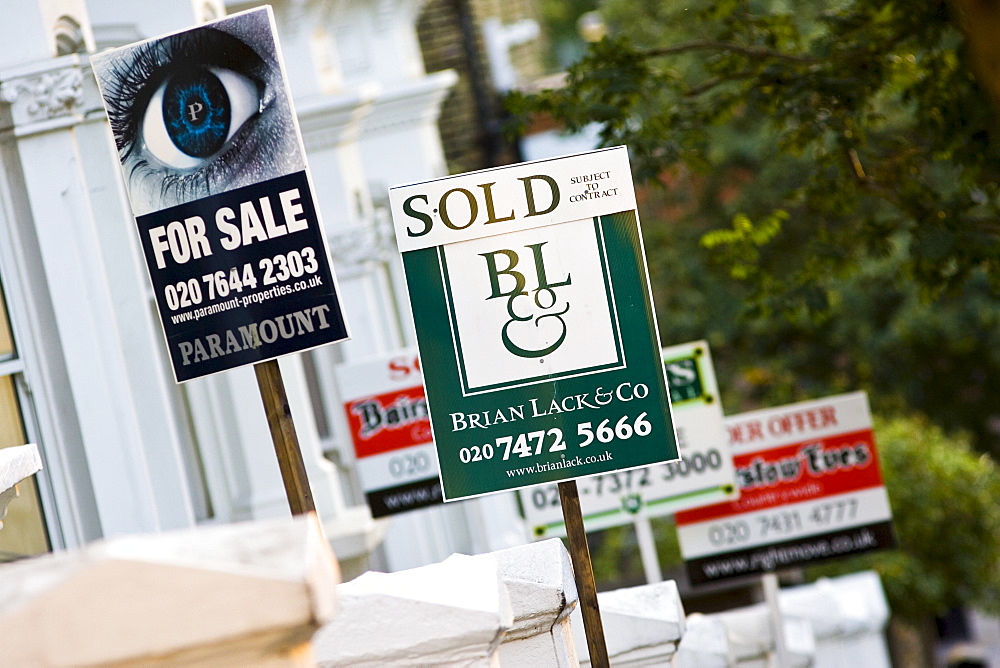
{"x": 947, "y": 522}
{"x": 942, "y": 360}
{"x": 615, "y": 553}
{"x": 859, "y": 120}
{"x": 743, "y": 241}
{"x": 836, "y": 164}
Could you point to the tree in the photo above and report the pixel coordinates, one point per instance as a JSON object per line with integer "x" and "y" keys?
{"x": 838, "y": 165}
{"x": 835, "y": 167}
{"x": 862, "y": 123}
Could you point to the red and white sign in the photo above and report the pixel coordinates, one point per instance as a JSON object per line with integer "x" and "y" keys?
{"x": 387, "y": 413}
{"x": 810, "y": 489}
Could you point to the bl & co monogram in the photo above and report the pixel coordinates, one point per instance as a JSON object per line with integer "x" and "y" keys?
{"x": 521, "y": 311}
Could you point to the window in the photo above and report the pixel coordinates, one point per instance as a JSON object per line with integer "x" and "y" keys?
{"x": 24, "y": 533}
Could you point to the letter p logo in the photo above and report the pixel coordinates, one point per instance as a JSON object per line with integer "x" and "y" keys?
{"x": 194, "y": 109}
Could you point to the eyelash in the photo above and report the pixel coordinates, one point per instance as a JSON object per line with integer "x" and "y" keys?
{"x": 129, "y": 92}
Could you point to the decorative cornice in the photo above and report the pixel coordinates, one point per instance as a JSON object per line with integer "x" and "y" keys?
{"x": 415, "y": 103}
{"x": 329, "y": 121}
{"x": 373, "y": 242}
{"x": 49, "y": 95}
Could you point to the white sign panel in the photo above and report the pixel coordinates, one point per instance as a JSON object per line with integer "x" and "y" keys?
{"x": 811, "y": 489}
{"x": 515, "y": 197}
{"x": 559, "y": 260}
{"x": 387, "y": 412}
{"x": 703, "y": 476}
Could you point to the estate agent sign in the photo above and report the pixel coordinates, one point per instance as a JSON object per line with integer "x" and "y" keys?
{"x": 704, "y": 475}
{"x": 534, "y": 323}
{"x": 811, "y": 489}
{"x": 216, "y": 174}
{"x": 387, "y": 413}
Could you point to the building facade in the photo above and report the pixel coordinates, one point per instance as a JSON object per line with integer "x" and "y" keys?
{"x": 83, "y": 367}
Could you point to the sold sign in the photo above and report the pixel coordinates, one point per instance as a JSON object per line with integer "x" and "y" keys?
{"x": 534, "y": 323}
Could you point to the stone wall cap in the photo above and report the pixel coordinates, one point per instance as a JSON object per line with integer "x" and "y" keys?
{"x": 539, "y": 578}
{"x": 843, "y": 605}
{"x": 142, "y": 598}
{"x": 454, "y": 612}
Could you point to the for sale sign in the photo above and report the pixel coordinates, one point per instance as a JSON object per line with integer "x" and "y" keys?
{"x": 534, "y": 323}
{"x": 704, "y": 475}
{"x": 216, "y": 175}
{"x": 810, "y": 489}
{"x": 387, "y": 413}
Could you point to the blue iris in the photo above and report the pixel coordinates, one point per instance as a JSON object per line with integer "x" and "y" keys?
{"x": 196, "y": 109}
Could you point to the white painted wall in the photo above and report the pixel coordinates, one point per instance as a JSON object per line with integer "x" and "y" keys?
{"x": 125, "y": 449}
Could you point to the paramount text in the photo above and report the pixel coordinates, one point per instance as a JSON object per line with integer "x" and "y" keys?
{"x": 254, "y": 334}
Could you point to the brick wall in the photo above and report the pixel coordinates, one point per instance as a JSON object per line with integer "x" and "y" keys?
{"x": 451, "y": 38}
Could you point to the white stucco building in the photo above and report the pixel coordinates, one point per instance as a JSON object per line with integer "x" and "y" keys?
{"x": 83, "y": 368}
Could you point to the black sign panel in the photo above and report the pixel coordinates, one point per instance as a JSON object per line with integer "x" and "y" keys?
{"x": 241, "y": 277}
{"x": 791, "y": 554}
{"x": 216, "y": 176}
{"x": 411, "y": 496}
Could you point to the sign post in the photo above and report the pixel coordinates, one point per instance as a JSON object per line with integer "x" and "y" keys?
{"x": 583, "y": 574}
{"x": 216, "y": 175}
{"x": 286, "y": 442}
{"x": 536, "y": 332}
{"x": 769, "y": 584}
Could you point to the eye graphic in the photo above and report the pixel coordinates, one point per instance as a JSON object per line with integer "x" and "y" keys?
{"x": 198, "y": 113}
{"x": 192, "y": 115}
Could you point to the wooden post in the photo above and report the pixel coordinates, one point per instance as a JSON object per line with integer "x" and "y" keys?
{"x": 583, "y": 573}
{"x": 286, "y": 443}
